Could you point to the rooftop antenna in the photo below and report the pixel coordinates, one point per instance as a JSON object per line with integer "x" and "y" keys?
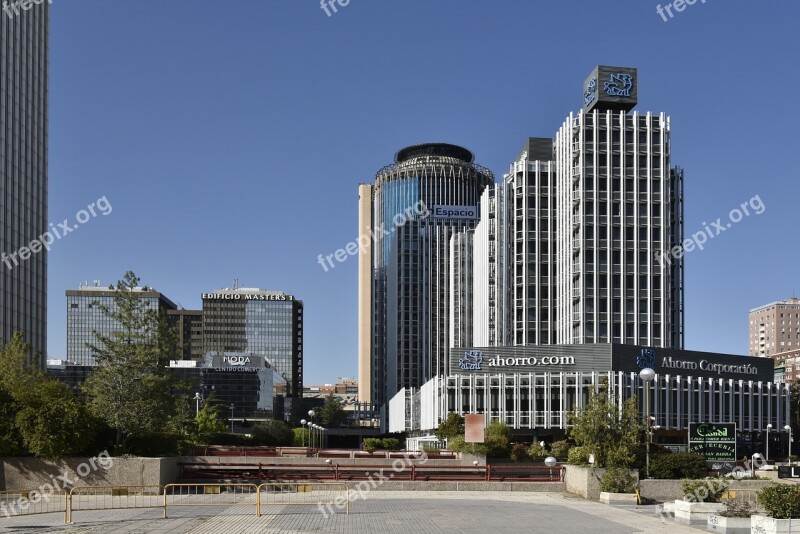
{"x": 235, "y": 284}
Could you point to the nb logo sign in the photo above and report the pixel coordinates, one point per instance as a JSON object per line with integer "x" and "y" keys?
{"x": 619, "y": 85}
{"x": 471, "y": 361}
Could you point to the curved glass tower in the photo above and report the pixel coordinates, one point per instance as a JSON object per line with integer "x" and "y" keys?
{"x": 418, "y": 203}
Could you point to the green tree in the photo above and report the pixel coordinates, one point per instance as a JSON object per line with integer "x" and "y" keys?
{"x": 451, "y": 427}
{"x": 333, "y": 413}
{"x": 38, "y": 414}
{"x": 301, "y": 437}
{"x": 498, "y": 440}
{"x": 209, "y": 423}
{"x": 273, "y": 433}
{"x": 130, "y": 387}
{"x": 607, "y": 432}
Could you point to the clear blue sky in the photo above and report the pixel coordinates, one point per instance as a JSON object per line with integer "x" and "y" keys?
{"x": 230, "y": 137}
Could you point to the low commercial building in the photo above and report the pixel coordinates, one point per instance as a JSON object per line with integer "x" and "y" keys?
{"x": 534, "y": 388}
{"x": 248, "y": 382}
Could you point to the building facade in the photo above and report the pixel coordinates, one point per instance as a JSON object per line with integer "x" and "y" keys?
{"x": 88, "y": 311}
{"x": 787, "y": 365}
{"x": 431, "y": 192}
{"x": 255, "y": 322}
{"x": 533, "y": 389}
{"x": 775, "y": 328}
{"x": 24, "y": 58}
{"x": 619, "y": 212}
{"x": 188, "y": 325}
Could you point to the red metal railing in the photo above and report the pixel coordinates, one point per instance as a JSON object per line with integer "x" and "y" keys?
{"x": 403, "y": 471}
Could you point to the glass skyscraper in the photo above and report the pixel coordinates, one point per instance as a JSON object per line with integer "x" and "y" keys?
{"x": 255, "y": 322}
{"x": 85, "y": 315}
{"x": 409, "y": 267}
{"x": 24, "y": 37}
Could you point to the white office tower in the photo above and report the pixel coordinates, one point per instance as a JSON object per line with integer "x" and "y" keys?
{"x": 619, "y": 208}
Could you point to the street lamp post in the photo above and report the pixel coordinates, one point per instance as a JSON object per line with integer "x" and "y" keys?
{"x": 769, "y": 427}
{"x": 311, "y": 425}
{"x": 303, "y": 433}
{"x": 789, "y": 429}
{"x": 232, "y": 418}
{"x": 197, "y": 398}
{"x": 647, "y": 376}
{"x": 310, "y": 435}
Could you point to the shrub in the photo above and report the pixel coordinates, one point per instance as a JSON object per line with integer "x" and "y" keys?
{"x": 560, "y": 450}
{"x": 372, "y": 444}
{"x": 519, "y": 452}
{"x": 737, "y": 509}
{"x": 537, "y": 453}
{"x": 498, "y": 440}
{"x": 578, "y": 456}
{"x": 705, "y": 490}
{"x": 272, "y": 433}
{"x": 678, "y": 465}
{"x": 390, "y": 444}
{"x": 301, "y": 437}
{"x": 618, "y": 480}
{"x": 781, "y": 501}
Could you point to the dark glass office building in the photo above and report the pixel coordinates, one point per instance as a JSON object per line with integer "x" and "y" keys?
{"x": 255, "y": 322}
{"x": 24, "y": 37}
{"x": 85, "y": 316}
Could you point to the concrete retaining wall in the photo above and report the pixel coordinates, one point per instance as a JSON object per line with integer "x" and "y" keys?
{"x": 670, "y": 490}
{"x": 583, "y": 481}
{"x": 30, "y": 473}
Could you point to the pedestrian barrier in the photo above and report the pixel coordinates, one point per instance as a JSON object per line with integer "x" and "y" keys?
{"x": 741, "y": 496}
{"x": 211, "y": 495}
{"x": 86, "y": 498}
{"x": 305, "y": 494}
{"x": 92, "y": 498}
{"x": 32, "y": 502}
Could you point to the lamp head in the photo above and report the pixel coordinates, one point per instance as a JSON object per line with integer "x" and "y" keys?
{"x": 769, "y": 426}
{"x": 550, "y": 461}
{"x": 647, "y": 374}
{"x": 788, "y": 428}
{"x": 302, "y": 421}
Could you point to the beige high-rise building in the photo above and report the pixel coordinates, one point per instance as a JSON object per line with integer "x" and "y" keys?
{"x": 365, "y": 294}
{"x": 775, "y": 328}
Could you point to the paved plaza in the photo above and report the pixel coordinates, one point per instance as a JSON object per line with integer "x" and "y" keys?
{"x": 381, "y": 513}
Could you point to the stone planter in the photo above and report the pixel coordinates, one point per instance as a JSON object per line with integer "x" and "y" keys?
{"x": 728, "y": 525}
{"x": 696, "y": 513}
{"x": 618, "y": 498}
{"x": 761, "y": 524}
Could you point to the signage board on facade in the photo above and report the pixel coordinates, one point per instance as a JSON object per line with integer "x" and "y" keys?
{"x": 785, "y": 471}
{"x": 474, "y": 428}
{"x": 455, "y": 212}
{"x": 715, "y": 441}
{"x": 611, "y": 88}
{"x": 246, "y": 296}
